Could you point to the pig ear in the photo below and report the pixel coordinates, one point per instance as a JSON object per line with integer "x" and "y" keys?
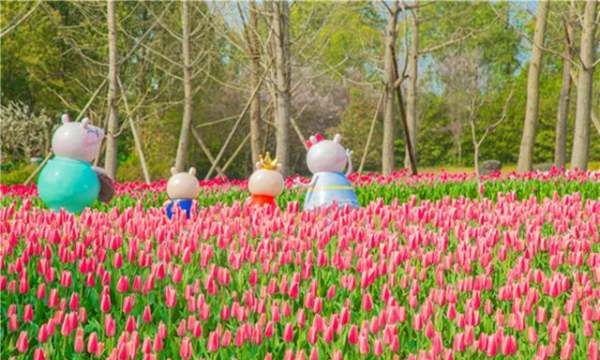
{"x": 337, "y": 138}
{"x": 85, "y": 122}
{"x": 192, "y": 171}
{"x": 173, "y": 171}
{"x": 258, "y": 165}
{"x": 65, "y": 118}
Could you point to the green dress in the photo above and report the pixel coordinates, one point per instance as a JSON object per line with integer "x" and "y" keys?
{"x": 68, "y": 183}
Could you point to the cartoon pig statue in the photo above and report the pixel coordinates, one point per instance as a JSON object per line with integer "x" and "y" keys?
{"x": 182, "y": 188}
{"x": 266, "y": 183}
{"x": 327, "y": 159}
{"x": 69, "y": 180}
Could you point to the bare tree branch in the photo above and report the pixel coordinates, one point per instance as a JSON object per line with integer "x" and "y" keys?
{"x": 9, "y": 28}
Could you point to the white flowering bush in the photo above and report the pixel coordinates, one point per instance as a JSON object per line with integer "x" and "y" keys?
{"x": 23, "y": 134}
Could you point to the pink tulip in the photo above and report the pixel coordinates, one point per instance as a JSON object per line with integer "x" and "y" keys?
{"x": 28, "y": 313}
{"x": 185, "y": 349}
{"x": 38, "y": 354}
{"x": 593, "y": 350}
{"x": 363, "y": 345}
{"x": 378, "y": 348}
{"x": 170, "y": 297}
{"x": 92, "y": 344}
{"x": 105, "y": 303}
{"x": 41, "y": 292}
{"x": 288, "y": 333}
{"x": 337, "y": 355}
{"x": 123, "y": 284}
{"x": 532, "y": 335}
{"x": 22, "y": 342}
{"x": 353, "y": 335}
{"x": 367, "y": 302}
{"x": 79, "y": 342}
{"x": 213, "y": 341}
{"x": 128, "y": 302}
{"x": 110, "y": 326}
{"x": 509, "y": 346}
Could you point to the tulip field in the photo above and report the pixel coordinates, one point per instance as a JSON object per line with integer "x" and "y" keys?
{"x": 431, "y": 267}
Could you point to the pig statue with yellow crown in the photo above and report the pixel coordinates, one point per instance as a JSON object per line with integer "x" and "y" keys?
{"x": 266, "y": 183}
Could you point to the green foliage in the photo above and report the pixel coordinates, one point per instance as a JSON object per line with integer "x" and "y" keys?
{"x": 17, "y": 175}
{"x": 55, "y": 60}
{"x": 355, "y": 126}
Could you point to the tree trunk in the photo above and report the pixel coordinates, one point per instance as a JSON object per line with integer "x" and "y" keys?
{"x": 533, "y": 91}
{"x": 255, "y": 111}
{"x": 560, "y": 147}
{"x": 581, "y": 139}
{"x": 387, "y": 153}
{"x": 110, "y": 160}
{"x": 186, "y": 122}
{"x": 282, "y": 82}
{"x": 411, "y": 90}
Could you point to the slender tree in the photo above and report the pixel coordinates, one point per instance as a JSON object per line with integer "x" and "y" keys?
{"x": 560, "y": 147}
{"x": 581, "y": 140}
{"x": 253, "y": 48}
{"x": 533, "y": 91}
{"x": 184, "y": 135}
{"x": 387, "y": 154}
{"x": 411, "y": 89}
{"x": 110, "y": 162}
{"x": 280, "y": 25}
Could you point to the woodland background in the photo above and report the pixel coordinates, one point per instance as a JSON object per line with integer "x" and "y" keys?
{"x": 283, "y": 71}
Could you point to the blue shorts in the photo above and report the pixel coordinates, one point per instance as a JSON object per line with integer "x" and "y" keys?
{"x": 184, "y": 205}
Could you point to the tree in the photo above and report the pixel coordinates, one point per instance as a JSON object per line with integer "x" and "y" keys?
{"x": 411, "y": 89}
{"x": 110, "y": 162}
{"x": 186, "y": 122}
{"x": 389, "y": 128}
{"x": 255, "y": 106}
{"x": 533, "y": 91}
{"x": 562, "y": 116}
{"x": 475, "y": 103}
{"x": 282, "y": 63}
{"x": 581, "y": 140}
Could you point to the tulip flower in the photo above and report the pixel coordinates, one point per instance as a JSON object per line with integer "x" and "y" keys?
{"x": 22, "y": 342}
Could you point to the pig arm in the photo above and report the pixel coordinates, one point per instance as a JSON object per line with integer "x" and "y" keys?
{"x": 349, "y": 155}
{"x": 298, "y": 183}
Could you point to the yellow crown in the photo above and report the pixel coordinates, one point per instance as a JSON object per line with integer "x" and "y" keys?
{"x": 267, "y": 163}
